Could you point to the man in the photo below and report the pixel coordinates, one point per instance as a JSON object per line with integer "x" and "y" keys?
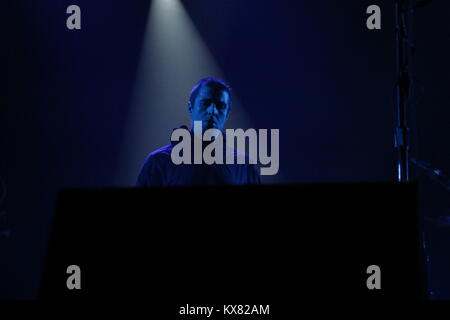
{"x": 209, "y": 102}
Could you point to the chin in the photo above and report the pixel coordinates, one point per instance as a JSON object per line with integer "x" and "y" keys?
{"x": 210, "y": 126}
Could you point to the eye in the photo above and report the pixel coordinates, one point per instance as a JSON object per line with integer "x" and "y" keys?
{"x": 206, "y": 103}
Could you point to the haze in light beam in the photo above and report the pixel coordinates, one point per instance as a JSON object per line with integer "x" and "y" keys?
{"x": 173, "y": 59}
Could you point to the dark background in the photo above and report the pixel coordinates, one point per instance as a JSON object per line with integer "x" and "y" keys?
{"x": 309, "y": 68}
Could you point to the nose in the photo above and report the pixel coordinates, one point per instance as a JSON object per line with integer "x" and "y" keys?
{"x": 213, "y": 109}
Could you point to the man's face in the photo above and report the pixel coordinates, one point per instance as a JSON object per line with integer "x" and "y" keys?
{"x": 211, "y": 106}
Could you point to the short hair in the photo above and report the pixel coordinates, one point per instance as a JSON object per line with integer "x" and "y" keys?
{"x": 210, "y": 82}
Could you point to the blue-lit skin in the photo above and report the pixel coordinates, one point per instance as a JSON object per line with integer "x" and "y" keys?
{"x": 211, "y": 106}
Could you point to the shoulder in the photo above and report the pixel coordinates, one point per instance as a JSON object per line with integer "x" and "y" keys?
{"x": 153, "y": 169}
{"x": 160, "y": 155}
{"x": 157, "y": 158}
{"x": 250, "y": 166}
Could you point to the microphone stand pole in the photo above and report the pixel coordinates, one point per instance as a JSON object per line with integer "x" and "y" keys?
{"x": 403, "y": 10}
{"x": 404, "y": 13}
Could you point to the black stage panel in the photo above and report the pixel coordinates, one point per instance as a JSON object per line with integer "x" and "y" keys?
{"x": 223, "y": 242}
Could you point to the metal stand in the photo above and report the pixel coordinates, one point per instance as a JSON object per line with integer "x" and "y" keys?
{"x": 403, "y": 11}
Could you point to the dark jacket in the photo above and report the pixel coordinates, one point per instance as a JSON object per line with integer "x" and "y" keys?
{"x": 159, "y": 170}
